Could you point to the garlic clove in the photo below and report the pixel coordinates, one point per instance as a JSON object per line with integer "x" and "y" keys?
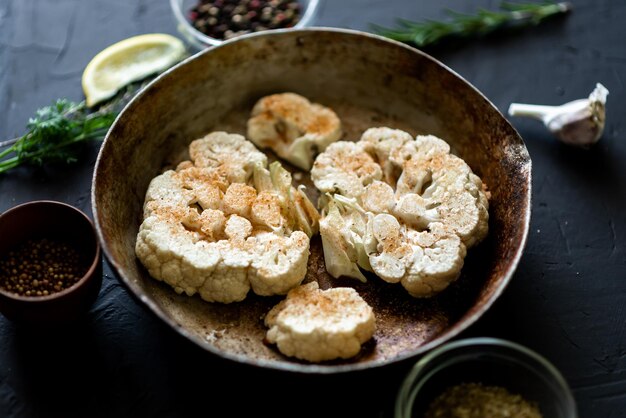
{"x": 579, "y": 122}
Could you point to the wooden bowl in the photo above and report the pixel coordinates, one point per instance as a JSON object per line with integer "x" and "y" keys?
{"x": 369, "y": 81}
{"x": 59, "y": 221}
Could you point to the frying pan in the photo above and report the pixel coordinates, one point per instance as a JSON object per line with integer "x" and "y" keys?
{"x": 369, "y": 81}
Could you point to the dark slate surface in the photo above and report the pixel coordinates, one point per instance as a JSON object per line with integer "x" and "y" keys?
{"x": 566, "y": 301}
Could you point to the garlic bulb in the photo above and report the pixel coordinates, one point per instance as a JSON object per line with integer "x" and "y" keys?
{"x": 579, "y": 123}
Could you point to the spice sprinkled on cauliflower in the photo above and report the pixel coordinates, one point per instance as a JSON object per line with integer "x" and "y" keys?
{"x": 222, "y": 223}
{"x": 403, "y": 208}
{"x": 294, "y": 128}
{"x": 319, "y": 325}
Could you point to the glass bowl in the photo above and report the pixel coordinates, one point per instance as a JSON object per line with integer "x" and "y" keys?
{"x": 199, "y": 40}
{"x": 491, "y": 362}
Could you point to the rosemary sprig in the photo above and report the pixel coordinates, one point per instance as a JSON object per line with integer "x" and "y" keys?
{"x": 484, "y": 22}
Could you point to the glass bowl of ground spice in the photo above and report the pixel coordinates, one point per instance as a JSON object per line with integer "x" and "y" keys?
{"x": 484, "y": 377}
{"x": 50, "y": 263}
{"x": 206, "y": 23}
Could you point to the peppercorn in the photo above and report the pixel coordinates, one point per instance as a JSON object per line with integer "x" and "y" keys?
{"x": 40, "y": 267}
{"x": 224, "y": 19}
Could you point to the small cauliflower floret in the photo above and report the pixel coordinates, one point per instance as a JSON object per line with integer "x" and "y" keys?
{"x": 237, "y": 228}
{"x": 414, "y": 211}
{"x": 238, "y": 199}
{"x": 346, "y": 169}
{"x": 437, "y": 261}
{"x": 228, "y": 155}
{"x": 378, "y": 197}
{"x": 222, "y": 224}
{"x": 319, "y": 325}
{"x": 411, "y": 222}
{"x": 379, "y": 143}
{"x": 212, "y": 223}
{"x": 266, "y": 210}
{"x": 279, "y": 263}
{"x": 294, "y": 128}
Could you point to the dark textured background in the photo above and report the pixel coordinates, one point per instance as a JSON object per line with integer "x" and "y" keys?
{"x": 567, "y": 300}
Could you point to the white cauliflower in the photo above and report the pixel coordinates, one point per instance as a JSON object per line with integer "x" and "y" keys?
{"x": 403, "y": 208}
{"x": 223, "y": 223}
{"x": 318, "y": 325}
{"x": 294, "y": 128}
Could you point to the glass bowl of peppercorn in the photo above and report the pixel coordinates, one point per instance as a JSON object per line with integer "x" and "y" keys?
{"x": 206, "y": 23}
{"x": 484, "y": 377}
{"x": 50, "y": 263}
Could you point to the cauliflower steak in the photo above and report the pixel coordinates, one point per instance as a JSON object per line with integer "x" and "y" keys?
{"x": 294, "y": 128}
{"x": 223, "y": 223}
{"x": 318, "y": 325}
{"x": 403, "y": 208}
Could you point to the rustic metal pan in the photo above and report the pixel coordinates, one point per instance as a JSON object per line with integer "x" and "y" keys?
{"x": 368, "y": 81}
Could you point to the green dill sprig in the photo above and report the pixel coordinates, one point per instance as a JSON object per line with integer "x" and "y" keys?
{"x": 484, "y": 22}
{"x": 54, "y": 133}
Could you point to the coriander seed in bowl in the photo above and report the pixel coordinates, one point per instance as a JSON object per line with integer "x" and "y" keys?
{"x": 41, "y": 267}
{"x": 50, "y": 263}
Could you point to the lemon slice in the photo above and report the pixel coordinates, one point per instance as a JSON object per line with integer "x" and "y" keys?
{"x": 129, "y": 60}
